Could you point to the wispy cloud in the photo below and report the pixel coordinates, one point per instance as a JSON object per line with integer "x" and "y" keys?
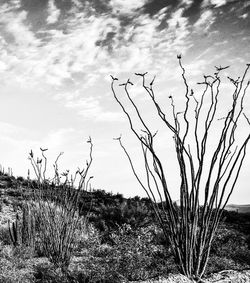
{"x": 126, "y": 6}
{"x": 53, "y": 12}
{"x": 91, "y": 110}
{"x": 90, "y": 43}
{"x": 87, "y": 46}
{"x": 216, "y": 3}
{"x": 205, "y": 21}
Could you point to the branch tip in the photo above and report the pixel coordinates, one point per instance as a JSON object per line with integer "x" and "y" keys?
{"x": 118, "y": 139}
{"x": 113, "y": 78}
{"x": 129, "y": 82}
{"x": 152, "y": 81}
{"x": 220, "y": 68}
{"x": 141, "y": 74}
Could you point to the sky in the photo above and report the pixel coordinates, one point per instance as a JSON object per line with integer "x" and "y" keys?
{"x": 56, "y": 58}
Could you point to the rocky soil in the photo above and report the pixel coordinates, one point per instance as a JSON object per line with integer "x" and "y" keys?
{"x": 225, "y": 276}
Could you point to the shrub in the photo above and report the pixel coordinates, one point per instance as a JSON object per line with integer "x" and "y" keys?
{"x": 45, "y": 272}
{"x": 20, "y": 179}
{"x": 137, "y": 257}
{"x": 228, "y": 241}
{"x": 133, "y": 255}
{"x": 57, "y": 226}
{"x": 15, "y": 266}
{"x": 217, "y": 264}
{"x": 110, "y": 216}
{"x": 229, "y": 250}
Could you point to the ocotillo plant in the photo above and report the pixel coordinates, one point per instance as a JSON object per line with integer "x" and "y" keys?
{"x": 56, "y": 206}
{"x": 208, "y": 170}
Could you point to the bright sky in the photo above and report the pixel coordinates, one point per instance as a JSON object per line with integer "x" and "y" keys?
{"x": 55, "y": 60}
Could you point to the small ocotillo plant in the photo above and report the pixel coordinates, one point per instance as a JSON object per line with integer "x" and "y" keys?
{"x": 208, "y": 170}
{"x": 56, "y": 205}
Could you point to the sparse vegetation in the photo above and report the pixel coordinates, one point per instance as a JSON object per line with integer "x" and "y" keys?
{"x": 122, "y": 252}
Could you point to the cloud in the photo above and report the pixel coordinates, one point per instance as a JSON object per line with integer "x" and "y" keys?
{"x": 127, "y": 6}
{"x": 91, "y": 109}
{"x": 15, "y": 29}
{"x": 244, "y": 16}
{"x": 144, "y": 46}
{"x": 77, "y": 3}
{"x": 187, "y": 2}
{"x": 53, "y": 12}
{"x": 205, "y": 21}
{"x": 89, "y": 43}
{"x": 86, "y": 46}
{"x": 197, "y": 67}
{"x": 218, "y": 3}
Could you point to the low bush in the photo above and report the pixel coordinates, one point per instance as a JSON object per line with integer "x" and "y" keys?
{"x": 229, "y": 250}
{"x": 133, "y": 255}
{"x": 15, "y": 266}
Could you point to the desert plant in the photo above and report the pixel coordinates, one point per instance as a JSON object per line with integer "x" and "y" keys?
{"x": 28, "y": 225}
{"x": 207, "y": 169}
{"x": 14, "y": 231}
{"x": 15, "y": 265}
{"x": 133, "y": 255}
{"x": 56, "y": 208}
{"x": 231, "y": 244}
{"x": 22, "y": 230}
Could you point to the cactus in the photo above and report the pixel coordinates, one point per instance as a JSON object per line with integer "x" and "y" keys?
{"x": 22, "y": 231}
{"x": 13, "y": 230}
{"x": 28, "y": 226}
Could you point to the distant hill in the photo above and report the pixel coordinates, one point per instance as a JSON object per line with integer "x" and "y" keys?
{"x": 241, "y": 208}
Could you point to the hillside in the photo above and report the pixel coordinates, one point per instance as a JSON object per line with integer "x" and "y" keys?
{"x": 111, "y": 241}
{"x": 17, "y": 187}
{"x": 243, "y": 208}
